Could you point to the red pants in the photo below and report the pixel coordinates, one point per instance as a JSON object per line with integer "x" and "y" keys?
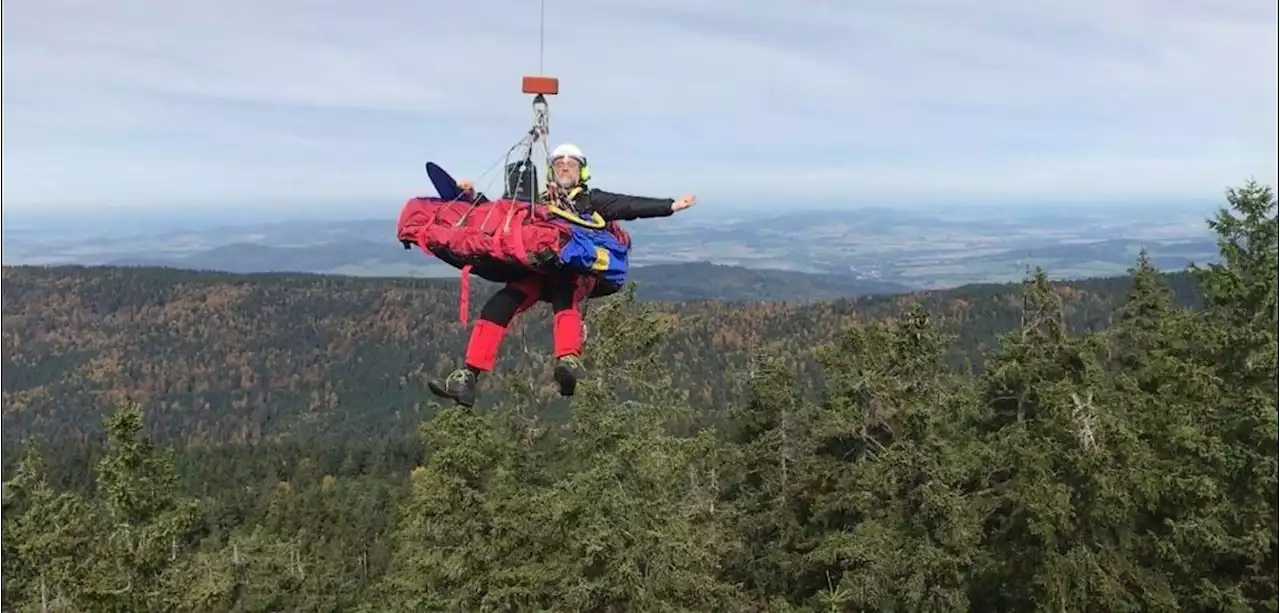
{"x": 565, "y": 293}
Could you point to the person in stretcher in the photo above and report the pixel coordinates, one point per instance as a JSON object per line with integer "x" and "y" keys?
{"x": 565, "y": 290}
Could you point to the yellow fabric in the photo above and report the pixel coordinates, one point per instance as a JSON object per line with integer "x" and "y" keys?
{"x": 595, "y": 222}
{"x": 602, "y": 260}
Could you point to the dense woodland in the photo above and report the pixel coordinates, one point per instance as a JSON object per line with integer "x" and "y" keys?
{"x": 219, "y": 357}
{"x": 1097, "y": 446}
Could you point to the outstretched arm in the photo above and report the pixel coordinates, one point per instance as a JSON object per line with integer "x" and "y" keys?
{"x": 622, "y": 207}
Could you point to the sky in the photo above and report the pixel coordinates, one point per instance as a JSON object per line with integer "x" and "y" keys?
{"x": 246, "y": 104}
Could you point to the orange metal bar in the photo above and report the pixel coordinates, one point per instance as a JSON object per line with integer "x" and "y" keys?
{"x": 546, "y": 86}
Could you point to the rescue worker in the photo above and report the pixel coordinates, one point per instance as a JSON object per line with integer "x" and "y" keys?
{"x": 566, "y": 291}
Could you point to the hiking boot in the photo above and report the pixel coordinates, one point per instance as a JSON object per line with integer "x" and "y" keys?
{"x": 459, "y": 386}
{"x": 569, "y": 370}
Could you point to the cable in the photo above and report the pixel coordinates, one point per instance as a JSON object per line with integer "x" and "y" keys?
{"x": 542, "y": 32}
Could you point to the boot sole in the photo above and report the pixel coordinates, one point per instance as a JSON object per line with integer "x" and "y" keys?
{"x": 568, "y": 382}
{"x": 439, "y": 391}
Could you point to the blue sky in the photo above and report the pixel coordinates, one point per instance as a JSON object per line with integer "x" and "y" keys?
{"x": 249, "y": 103}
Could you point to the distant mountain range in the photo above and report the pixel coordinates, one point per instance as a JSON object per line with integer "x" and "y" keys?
{"x": 658, "y": 282}
{"x": 909, "y": 269}
{"x": 885, "y": 248}
{"x": 246, "y": 257}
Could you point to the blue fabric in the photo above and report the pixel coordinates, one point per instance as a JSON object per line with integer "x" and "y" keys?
{"x": 582, "y": 253}
{"x": 445, "y": 185}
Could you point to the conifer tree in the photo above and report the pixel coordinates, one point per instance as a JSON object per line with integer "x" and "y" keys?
{"x": 765, "y": 493}
{"x": 898, "y": 527}
{"x": 1237, "y": 339}
{"x": 1062, "y": 471}
{"x": 1243, "y": 286}
{"x": 48, "y": 542}
{"x": 148, "y": 525}
{"x": 252, "y": 572}
{"x": 461, "y": 526}
{"x": 1141, "y": 333}
{"x": 618, "y": 515}
{"x": 631, "y": 524}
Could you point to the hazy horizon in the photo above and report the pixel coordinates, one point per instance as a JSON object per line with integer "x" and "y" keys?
{"x": 113, "y": 220}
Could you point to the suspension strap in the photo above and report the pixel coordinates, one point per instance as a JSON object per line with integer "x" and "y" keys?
{"x": 464, "y": 296}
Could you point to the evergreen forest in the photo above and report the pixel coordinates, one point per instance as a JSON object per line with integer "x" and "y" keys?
{"x": 190, "y": 441}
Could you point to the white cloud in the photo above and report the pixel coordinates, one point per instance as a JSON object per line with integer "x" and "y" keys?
{"x": 144, "y": 102}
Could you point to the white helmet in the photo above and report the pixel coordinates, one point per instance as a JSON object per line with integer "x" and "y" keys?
{"x": 569, "y": 150}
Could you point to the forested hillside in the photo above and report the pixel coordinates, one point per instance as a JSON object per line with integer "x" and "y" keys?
{"x": 705, "y": 281}
{"x": 1116, "y": 451}
{"x": 218, "y": 357}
